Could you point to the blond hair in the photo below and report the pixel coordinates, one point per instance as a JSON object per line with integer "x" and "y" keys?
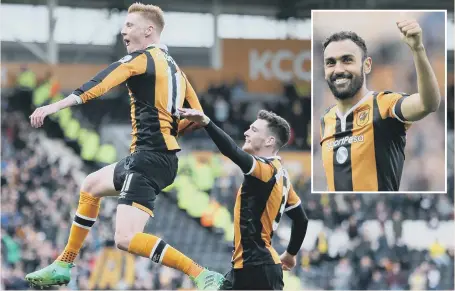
{"x": 150, "y": 12}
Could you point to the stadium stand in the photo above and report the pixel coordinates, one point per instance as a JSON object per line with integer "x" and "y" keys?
{"x": 351, "y": 234}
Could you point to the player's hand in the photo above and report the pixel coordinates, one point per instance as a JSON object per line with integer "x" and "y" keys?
{"x": 194, "y": 115}
{"x": 288, "y": 261}
{"x": 40, "y": 113}
{"x": 187, "y": 126}
{"x": 411, "y": 33}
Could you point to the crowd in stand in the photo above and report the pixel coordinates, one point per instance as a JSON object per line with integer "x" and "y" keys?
{"x": 235, "y": 116}
{"x": 349, "y": 255}
{"x": 368, "y": 262}
{"x": 38, "y": 200}
{"x": 37, "y": 204}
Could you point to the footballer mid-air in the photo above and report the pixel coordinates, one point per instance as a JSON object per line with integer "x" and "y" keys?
{"x": 157, "y": 89}
{"x": 364, "y": 134}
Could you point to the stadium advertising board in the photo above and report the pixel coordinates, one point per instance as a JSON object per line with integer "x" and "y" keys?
{"x": 264, "y": 65}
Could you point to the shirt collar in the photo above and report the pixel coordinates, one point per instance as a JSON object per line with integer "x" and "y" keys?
{"x": 158, "y": 45}
{"x": 274, "y": 157}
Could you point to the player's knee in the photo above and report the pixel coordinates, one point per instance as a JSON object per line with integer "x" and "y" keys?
{"x": 123, "y": 239}
{"x": 89, "y": 184}
{"x": 96, "y": 185}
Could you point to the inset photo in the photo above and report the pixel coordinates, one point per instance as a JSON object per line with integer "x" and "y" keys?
{"x": 379, "y": 101}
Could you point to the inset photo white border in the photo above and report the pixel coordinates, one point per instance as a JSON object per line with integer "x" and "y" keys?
{"x": 314, "y": 122}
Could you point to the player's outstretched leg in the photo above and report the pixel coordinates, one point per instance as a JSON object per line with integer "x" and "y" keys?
{"x": 129, "y": 236}
{"x": 95, "y": 186}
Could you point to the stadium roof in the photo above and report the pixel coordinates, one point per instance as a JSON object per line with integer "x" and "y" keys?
{"x": 283, "y": 8}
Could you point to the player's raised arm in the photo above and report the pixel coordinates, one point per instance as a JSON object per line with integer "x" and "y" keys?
{"x": 222, "y": 140}
{"x": 118, "y": 72}
{"x": 428, "y": 98}
{"x": 294, "y": 210}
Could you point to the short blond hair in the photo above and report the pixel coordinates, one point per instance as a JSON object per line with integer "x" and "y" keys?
{"x": 150, "y": 12}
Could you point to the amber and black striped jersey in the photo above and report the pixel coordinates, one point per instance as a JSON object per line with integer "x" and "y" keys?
{"x": 266, "y": 193}
{"x": 363, "y": 150}
{"x": 157, "y": 88}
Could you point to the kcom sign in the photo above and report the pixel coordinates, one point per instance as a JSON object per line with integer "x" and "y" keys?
{"x": 265, "y": 64}
{"x": 283, "y": 65}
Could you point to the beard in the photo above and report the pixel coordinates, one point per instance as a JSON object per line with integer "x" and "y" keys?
{"x": 356, "y": 82}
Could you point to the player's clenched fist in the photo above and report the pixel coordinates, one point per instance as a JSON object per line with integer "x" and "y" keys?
{"x": 37, "y": 117}
{"x": 288, "y": 261}
{"x": 411, "y": 33}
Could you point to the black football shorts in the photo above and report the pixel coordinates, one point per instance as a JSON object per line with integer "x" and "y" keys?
{"x": 142, "y": 175}
{"x": 261, "y": 277}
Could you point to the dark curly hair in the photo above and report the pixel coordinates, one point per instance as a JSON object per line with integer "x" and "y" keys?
{"x": 343, "y": 35}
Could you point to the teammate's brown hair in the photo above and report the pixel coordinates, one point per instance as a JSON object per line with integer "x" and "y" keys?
{"x": 150, "y": 12}
{"x": 278, "y": 126}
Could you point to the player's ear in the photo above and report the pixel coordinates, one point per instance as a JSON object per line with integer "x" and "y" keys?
{"x": 367, "y": 65}
{"x": 148, "y": 30}
{"x": 270, "y": 141}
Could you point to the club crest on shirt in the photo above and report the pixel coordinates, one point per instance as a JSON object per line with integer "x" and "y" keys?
{"x": 125, "y": 59}
{"x": 363, "y": 116}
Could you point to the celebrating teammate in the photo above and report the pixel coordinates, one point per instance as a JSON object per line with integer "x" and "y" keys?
{"x": 266, "y": 193}
{"x": 157, "y": 87}
{"x": 364, "y": 134}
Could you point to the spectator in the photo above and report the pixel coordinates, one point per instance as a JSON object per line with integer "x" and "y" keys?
{"x": 378, "y": 282}
{"x": 353, "y": 228}
{"x": 397, "y": 225}
{"x": 343, "y": 273}
{"x": 365, "y": 273}
{"x": 221, "y": 111}
{"x": 338, "y": 241}
{"x": 396, "y": 279}
{"x": 401, "y": 253}
{"x": 434, "y": 278}
{"x": 418, "y": 280}
{"x": 438, "y": 253}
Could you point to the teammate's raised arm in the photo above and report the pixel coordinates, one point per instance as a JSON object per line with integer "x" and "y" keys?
{"x": 268, "y": 193}
{"x": 264, "y": 138}
{"x": 222, "y": 140}
{"x": 428, "y": 98}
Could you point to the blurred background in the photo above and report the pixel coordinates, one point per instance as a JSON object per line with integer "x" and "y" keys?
{"x": 241, "y": 56}
{"x": 393, "y": 70}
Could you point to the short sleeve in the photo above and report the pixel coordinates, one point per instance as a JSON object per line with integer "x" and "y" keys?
{"x": 389, "y": 104}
